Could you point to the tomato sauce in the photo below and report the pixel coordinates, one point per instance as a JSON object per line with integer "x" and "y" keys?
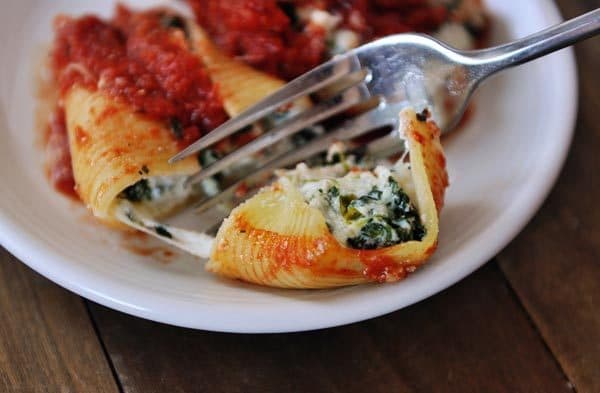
{"x": 260, "y": 33}
{"x": 144, "y": 60}
{"x": 269, "y": 35}
{"x": 377, "y": 18}
{"x": 58, "y": 156}
{"x": 140, "y": 58}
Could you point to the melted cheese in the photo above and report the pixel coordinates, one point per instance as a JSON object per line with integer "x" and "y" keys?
{"x": 196, "y": 243}
{"x": 316, "y": 186}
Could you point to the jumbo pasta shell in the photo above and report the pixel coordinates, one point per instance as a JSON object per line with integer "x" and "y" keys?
{"x": 112, "y": 147}
{"x": 277, "y": 239}
{"x": 240, "y": 86}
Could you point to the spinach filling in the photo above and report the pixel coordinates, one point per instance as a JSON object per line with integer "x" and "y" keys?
{"x": 138, "y": 192}
{"x": 162, "y": 231}
{"x": 172, "y": 21}
{"x": 169, "y": 21}
{"x": 159, "y": 191}
{"x": 385, "y": 217}
{"x": 176, "y": 128}
{"x": 289, "y": 10}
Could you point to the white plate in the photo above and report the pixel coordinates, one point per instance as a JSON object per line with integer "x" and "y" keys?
{"x": 501, "y": 165}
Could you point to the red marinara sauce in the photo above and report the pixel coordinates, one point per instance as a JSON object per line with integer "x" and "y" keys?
{"x": 378, "y": 18}
{"x": 270, "y": 35}
{"x": 140, "y": 58}
{"x": 262, "y": 34}
{"x": 58, "y": 156}
{"x": 143, "y": 59}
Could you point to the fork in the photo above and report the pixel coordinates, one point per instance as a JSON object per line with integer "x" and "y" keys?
{"x": 370, "y": 85}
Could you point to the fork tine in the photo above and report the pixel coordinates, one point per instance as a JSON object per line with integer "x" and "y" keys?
{"x": 314, "y": 115}
{"x": 352, "y": 128}
{"x": 324, "y": 75}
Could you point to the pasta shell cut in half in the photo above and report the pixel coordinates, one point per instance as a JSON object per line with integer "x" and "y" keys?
{"x": 277, "y": 239}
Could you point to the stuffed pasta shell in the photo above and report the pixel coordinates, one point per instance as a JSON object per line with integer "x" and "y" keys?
{"x": 134, "y": 91}
{"x": 327, "y": 228}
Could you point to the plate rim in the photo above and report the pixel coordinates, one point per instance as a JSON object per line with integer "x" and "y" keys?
{"x": 18, "y": 243}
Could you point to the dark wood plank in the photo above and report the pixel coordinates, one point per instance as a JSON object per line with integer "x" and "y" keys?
{"x": 554, "y": 265}
{"x": 473, "y": 337}
{"x": 47, "y": 341}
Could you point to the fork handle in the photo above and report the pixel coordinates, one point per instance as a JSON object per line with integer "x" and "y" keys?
{"x": 536, "y": 45}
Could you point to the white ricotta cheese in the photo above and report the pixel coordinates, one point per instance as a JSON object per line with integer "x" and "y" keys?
{"x": 350, "y": 199}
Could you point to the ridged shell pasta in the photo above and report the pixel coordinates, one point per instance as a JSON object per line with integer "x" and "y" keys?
{"x": 240, "y": 86}
{"x": 277, "y": 239}
{"x": 112, "y": 148}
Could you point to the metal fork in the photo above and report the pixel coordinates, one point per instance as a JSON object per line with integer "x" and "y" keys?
{"x": 383, "y": 76}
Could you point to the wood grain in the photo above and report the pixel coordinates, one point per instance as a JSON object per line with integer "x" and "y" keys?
{"x": 554, "y": 265}
{"x": 473, "y": 337}
{"x": 47, "y": 342}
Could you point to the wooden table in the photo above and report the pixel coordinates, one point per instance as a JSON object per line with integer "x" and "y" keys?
{"x": 529, "y": 320}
